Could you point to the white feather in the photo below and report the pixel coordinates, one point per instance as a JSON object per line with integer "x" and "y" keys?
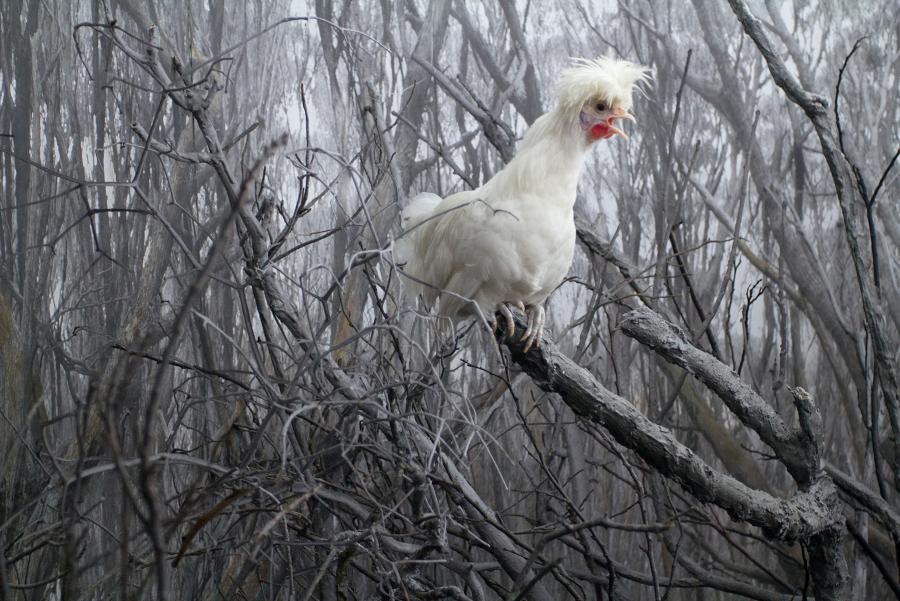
{"x": 419, "y": 208}
{"x": 513, "y": 238}
{"x": 605, "y": 77}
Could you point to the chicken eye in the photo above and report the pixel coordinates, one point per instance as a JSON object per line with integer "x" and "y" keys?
{"x": 601, "y": 106}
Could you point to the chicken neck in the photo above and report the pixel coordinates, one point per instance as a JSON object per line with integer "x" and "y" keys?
{"x": 548, "y": 163}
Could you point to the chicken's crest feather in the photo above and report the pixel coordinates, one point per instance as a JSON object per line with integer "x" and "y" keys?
{"x": 605, "y": 77}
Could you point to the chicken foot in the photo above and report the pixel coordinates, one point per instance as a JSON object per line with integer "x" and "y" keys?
{"x": 534, "y": 333}
{"x": 503, "y": 309}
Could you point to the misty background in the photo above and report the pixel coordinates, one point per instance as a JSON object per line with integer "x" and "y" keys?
{"x": 213, "y": 387}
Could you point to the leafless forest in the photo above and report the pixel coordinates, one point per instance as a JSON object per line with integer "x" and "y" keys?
{"x": 213, "y": 386}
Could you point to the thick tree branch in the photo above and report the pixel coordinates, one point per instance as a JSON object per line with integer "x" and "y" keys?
{"x": 809, "y": 512}
{"x": 797, "y": 449}
{"x": 812, "y": 515}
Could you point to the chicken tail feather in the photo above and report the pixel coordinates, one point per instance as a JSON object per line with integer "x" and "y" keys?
{"x": 418, "y": 210}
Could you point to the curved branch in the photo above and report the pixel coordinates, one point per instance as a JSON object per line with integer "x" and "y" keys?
{"x": 799, "y": 518}
{"x": 798, "y": 450}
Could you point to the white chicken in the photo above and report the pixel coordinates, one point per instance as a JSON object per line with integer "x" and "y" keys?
{"x": 511, "y": 241}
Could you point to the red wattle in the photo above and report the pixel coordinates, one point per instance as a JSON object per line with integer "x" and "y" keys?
{"x": 598, "y": 130}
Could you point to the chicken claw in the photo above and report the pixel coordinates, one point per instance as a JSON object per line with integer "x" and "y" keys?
{"x": 534, "y": 333}
{"x": 503, "y": 308}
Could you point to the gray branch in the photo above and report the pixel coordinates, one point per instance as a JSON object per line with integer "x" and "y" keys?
{"x": 812, "y": 516}
{"x": 814, "y": 106}
{"x": 797, "y": 449}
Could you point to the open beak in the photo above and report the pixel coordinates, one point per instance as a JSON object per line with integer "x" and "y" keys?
{"x": 618, "y": 113}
